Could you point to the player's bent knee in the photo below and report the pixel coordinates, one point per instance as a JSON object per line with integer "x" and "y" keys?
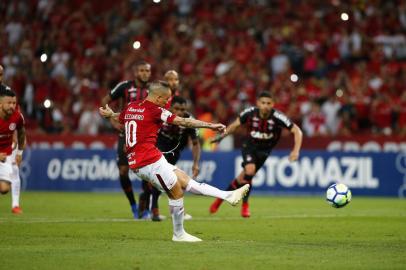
{"x": 176, "y": 192}
{"x": 182, "y": 177}
{"x": 4, "y": 187}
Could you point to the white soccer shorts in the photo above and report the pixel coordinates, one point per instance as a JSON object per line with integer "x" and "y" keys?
{"x": 160, "y": 173}
{"x": 6, "y": 169}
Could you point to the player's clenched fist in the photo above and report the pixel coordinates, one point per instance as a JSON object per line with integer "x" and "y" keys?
{"x": 218, "y": 127}
{"x": 106, "y": 112}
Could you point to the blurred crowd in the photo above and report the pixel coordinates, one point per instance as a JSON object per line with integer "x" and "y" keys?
{"x": 335, "y": 67}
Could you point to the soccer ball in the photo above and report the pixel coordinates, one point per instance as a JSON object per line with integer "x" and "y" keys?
{"x": 338, "y": 195}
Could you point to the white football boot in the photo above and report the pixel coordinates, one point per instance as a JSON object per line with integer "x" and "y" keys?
{"x": 185, "y": 237}
{"x": 235, "y": 196}
{"x": 187, "y": 217}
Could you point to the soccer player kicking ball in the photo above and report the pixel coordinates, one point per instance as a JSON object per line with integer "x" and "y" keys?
{"x": 264, "y": 126}
{"x": 141, "y": 121}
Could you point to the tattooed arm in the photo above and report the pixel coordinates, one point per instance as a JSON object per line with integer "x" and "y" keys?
{"x": 229, "y": 130}
{"x": 193, "y": 123}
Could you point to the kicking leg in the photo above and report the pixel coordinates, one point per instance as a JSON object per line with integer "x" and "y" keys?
{"x": 190, "y": 185}
{"x": 214, "y": 207}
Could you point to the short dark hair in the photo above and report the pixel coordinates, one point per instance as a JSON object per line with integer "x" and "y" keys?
{"x": 6, "y": 91}
{"x": 178, "y": 100}
{"x": 141, "y": 63}
{"x": 266, "y": 94}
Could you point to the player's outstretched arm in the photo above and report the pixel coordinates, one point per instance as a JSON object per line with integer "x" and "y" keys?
{"x": 229, "y": 130}
{"x": 298, "y": 137}
{"x": 194, "y": 123}
{"x": 108, "y": 113}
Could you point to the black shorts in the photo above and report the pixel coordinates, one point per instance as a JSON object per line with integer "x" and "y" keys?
{"x": 121, "y": 154}
{"x": 254, "y": 154}
{"x": 172, "y": 157}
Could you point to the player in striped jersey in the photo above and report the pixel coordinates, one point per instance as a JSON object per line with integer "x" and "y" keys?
{"x": 264, "y": 127}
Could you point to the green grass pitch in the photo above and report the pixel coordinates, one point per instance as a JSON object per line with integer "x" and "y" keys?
{"x": 95, "y": 231}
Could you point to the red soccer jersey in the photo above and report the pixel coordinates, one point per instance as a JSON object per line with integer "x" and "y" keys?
{"x": 7, "y": 128}
{"x": 142, "y": 121}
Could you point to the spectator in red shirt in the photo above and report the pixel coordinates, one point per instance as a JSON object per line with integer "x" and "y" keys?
{"x": 315, "y": 122}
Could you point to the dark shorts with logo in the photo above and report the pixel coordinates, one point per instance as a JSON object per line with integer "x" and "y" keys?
{"x": 254, "y": 154}
{"x": 121, "y": 154}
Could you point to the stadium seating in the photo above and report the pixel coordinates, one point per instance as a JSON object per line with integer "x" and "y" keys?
{"x": 335, "y": 68}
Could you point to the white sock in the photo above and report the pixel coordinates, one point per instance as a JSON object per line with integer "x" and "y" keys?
{"x": 206, "y": 190}
{"x": 177, "y": 212}
{"x": 15, "y": 187}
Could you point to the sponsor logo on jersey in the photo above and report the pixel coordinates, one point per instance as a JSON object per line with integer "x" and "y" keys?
{"x": 261, "y": 135}
{"x": 136, "y": 110}
{"x": 134, "y": 117}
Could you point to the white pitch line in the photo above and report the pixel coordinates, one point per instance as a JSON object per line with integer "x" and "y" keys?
{"x": 212, "y": 218}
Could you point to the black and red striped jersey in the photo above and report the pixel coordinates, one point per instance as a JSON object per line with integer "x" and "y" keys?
{"x": 175, "y": 137}
{"x": 129, "y": 91}
{"x": 264, "y": 132}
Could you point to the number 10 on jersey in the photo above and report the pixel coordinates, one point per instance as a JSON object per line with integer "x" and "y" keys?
{"x": 131, "y": 133}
